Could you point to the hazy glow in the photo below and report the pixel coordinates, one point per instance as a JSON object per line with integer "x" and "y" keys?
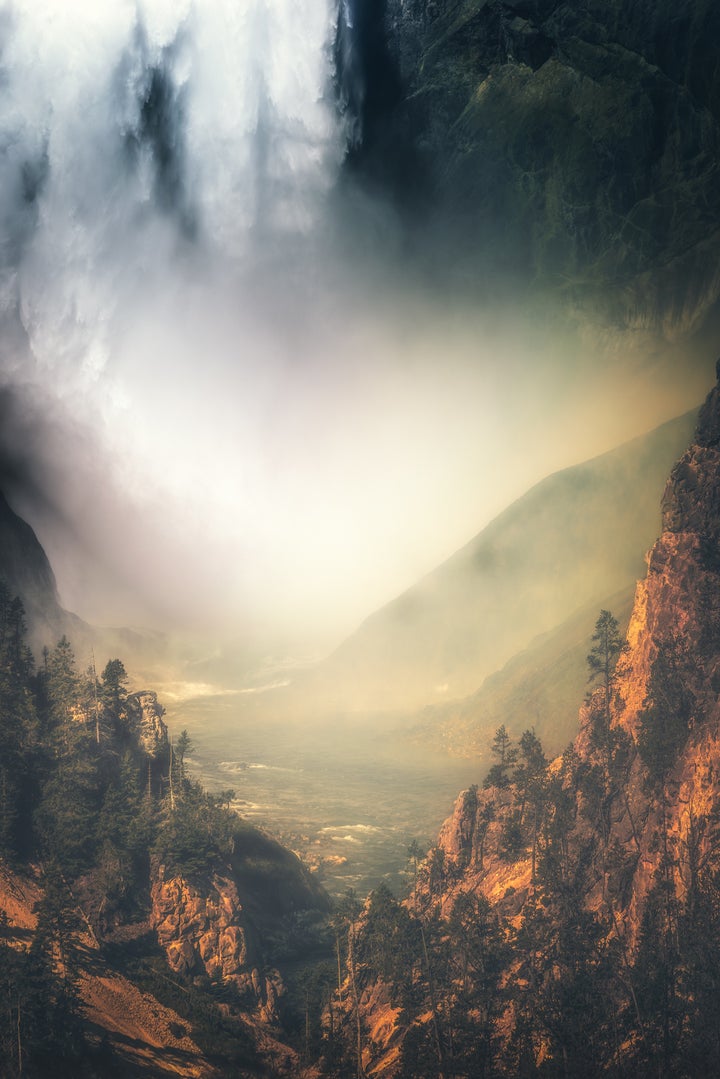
{"x": 242, "y": 419}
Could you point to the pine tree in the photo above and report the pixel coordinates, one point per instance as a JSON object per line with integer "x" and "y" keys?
{"x": 505, "y": 751}
{"x": 607, "y": 644}
{"x": 113, "y": 681}
{"x": 63, "y": 683}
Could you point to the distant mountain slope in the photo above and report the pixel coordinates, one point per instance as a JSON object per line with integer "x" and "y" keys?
{"x": 576, "y": 538}
{"x": 27, "y": 570}
{"x": 568, "y": 921}
{"x": 539, "y": 687}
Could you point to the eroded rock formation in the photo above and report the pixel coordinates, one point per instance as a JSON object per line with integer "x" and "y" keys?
{"x": 145, "y": 722}
{"x": 206, "y": 931}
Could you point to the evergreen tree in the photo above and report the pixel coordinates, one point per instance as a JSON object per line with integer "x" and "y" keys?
{"x": 531, "y": 787}
{"x": 506, "y": 753}
{"x": 389, "y": 942}
{"x": 605, "y": 651}
{"x": 71, "y": 796}
{"x": 607, "y": 644}
{"x": 114, "y": 679}
{"x": 183, "y": 747}
{"x": 63, "y": 683}
{"x": 40, "y": 1025}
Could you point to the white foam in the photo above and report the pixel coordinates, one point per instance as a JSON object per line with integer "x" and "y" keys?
{"x": 369, "y": 828}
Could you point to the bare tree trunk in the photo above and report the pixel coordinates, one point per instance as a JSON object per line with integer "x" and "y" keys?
{"x": 19, "y": 1039}
{"x": 534, "y": 845}
{"x": 433, "y": 1006}
{"x": 630, "y": 818}
{"x": 170, "y": 776}
{"x": 97, "y": 709}
{"x": 339, "y": 970}
{"x": 356, "y": 1002}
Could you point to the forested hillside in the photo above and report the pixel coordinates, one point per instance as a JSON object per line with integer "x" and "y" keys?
{"x": 568, "y": 921}
{"x": 118, "y": 869}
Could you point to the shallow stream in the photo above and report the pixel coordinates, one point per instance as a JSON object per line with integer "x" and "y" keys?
{"x": 348, "y": 799}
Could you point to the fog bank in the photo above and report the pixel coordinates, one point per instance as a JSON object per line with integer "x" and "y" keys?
{"x": 232, "y": 398}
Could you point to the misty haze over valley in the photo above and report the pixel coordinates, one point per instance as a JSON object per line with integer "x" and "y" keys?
{"x": 346, "y": 350}
{"x": 249, "y": 396}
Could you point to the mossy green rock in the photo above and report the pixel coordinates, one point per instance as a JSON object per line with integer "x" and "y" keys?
{"x": 580, "y": 142}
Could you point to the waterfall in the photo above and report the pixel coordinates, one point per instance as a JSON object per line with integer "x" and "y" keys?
{"x": 198, "y": 341}
{"x": 130, "y": 130}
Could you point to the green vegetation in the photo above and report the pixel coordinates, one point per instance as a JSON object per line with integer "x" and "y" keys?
{"x": 572, "y": 144}
{"x": 546, "y": 982}
{"x": 541, "y": 987}
{"x": 94, "y": 794}
{"x": 506, "y": 753}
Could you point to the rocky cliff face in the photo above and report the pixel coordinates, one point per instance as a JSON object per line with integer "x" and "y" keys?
{"x": 28, "y": 574}
{"x": 617, "y": 842}
{"x": 146, "y": 725}
{"x": 206, "y": 931}
{"x": 580, "y": 138}
{"x": 676, "y": 618}
{"x": 150, "y": 1037}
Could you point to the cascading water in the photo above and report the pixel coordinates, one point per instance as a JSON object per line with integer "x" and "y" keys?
{"x": 221, "y": 364}
{"x": 122, "y": 122}
{"x": 165, "y": 176}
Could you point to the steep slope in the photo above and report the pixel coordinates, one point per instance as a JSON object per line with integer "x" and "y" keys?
{"x": 573, "y": 540}
{"x": 539, "y": 687}
{"x": 148, "y": 1037}
{"x": 567, "y": 922}
{"x": 574, "y": 142}
{"x": 141, "y": 914}
{"x": 27, "y": 571}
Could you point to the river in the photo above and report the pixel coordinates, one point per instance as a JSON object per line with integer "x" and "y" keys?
{"x": 347, "y": 798}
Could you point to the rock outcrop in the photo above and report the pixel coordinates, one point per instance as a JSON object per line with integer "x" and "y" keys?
{"x": 620, "y": 835}
{"x": 675, "y": 620}
{"x": 26, "y": 570}
{"x": 147, "y": 1035}
{"x": 146, "y": 725}
{"x": 205, "y": 931}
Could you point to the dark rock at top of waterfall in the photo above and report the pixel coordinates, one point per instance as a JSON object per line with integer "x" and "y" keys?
{"x": 26, "y": 568}
{"x": 577, "y": 142}
{"x": 27, "y": 571}
{"x": 23, "y": 562}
